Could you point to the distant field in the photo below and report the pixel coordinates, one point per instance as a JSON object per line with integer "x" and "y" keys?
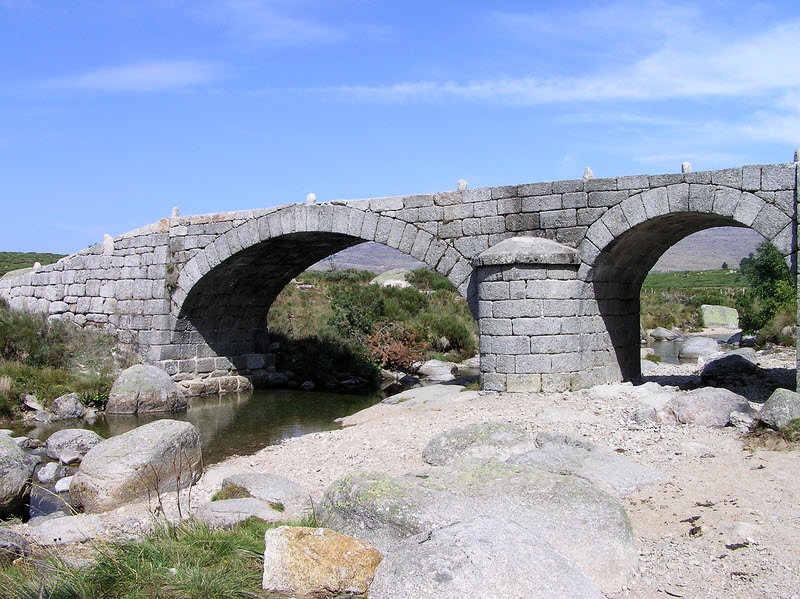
{"x": 694, "y": 279}
{"x": 14, "y": 260}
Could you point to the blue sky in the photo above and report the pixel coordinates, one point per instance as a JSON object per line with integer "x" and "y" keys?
{"x": 112, "y": 112}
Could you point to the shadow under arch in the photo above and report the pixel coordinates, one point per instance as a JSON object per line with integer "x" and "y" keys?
{"x": 621, "y": 267}
{"x": 226, "y": 309}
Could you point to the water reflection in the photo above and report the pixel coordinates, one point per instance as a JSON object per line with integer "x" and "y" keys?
{"x": 238, "y": 423}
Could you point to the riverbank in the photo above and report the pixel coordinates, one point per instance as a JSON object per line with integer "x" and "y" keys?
{"x": 724, "y": 525}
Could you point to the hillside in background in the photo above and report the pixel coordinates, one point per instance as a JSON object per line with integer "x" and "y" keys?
{"x": 706, "y": 250}
{"x": 15, "y": 260}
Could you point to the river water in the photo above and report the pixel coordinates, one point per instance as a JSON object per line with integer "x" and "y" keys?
{"x": 238, "y": 423}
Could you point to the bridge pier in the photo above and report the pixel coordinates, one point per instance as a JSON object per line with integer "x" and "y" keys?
{"x": 539, "y": 330}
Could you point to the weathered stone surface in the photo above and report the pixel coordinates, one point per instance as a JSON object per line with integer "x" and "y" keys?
{"x": 582, "y": 522}
{"x": 662, "y": 334}
{"x": 393, "y": 278}
{"x": 155, "y": 458}
{"x": 67, "y": 529}
{"x": 229, "y": 512}
{"x": 720, "y": 316}
{"x": 696, "y": 347}
{"x": 492, "y": 440}
{"x": 15, "y": 476}
{"x": 781, "y": 408}
{"x": 315, "y": 562}
{"x": 62, "y": 484}
{"x": 49, "y": 472}
{"x": 293, "y": 499}
{"x": 12, "y": 546}
{"x": 144, "y": 388}
{"x": 71, "y": 439}
{"x": 67, "y": 407}
{"x": 436, "y": 370}
{"x": 707, "y": 406}
{"x": 480, "y": 557}
{"x": 565, "y": 454}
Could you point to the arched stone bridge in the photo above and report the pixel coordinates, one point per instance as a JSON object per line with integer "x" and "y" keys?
{"x": 552, "y": 271}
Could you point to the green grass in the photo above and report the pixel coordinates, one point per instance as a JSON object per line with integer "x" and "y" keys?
{"x": 15, "y": 260}
{"x": 51, "y": 358}
{"x": 694, "y": 279}
{"x": 188, "y": 560}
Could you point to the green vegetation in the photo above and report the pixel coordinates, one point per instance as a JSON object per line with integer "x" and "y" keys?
{"x": 335, "y": 323}
{"x": 770, "y": 303}
{"x": 187, "y": 560}
{"x": 673, "y": 299}
{"x": 762, "y": 290}
{"x": 49, "y": 358}
{"x": 15, "y": 260}
{"x": 230, "y": 491}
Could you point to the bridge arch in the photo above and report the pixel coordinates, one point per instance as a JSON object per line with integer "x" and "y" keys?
{"x": 626, "y": 242}
{"x": 223, "y": 294}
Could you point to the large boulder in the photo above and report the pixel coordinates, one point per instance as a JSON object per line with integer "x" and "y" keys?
{"x": 579, "y": 520}
{"x": 145, "y": 388}
{"x": 719, "y": 316}
{"x": 781, "y": 408}
{"x": 481, "y": 440}
{"x": 314, "y": 562}
{"x": 707, "y": 406}
{"x": 480, "y": 557}
{"x": 155, "y": 458}
{"x": 76, "y": 440}
{"x": 15, "y": 475}
{"x": 68, "y": 407}
{"x": 698, "y": 347}
{"x": 613, "y": 473}
{"x": 662, "y": 334}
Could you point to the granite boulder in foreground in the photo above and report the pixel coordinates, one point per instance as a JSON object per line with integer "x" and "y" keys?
{"x": 155, "y": 458}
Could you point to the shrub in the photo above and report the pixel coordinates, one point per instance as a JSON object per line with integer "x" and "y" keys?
{"x": 394, "y": 347}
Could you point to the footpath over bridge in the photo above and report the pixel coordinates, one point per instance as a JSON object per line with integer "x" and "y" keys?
{"x": 552, "y": 271}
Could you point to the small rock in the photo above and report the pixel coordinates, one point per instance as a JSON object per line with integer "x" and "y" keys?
{"x": 307, "y": 386}
{"x": 62, "y": 485}
{"x": 69, "y": 456}
{"x": 317, "y": 562}
{"x": 67, "y": 407}
{"x": 32, "y": 403}
{"x": 742, "y": 420}
{"x": 662, "y": 334}
{"x": 740, "y": 535}
{"x": 49, "y": 472}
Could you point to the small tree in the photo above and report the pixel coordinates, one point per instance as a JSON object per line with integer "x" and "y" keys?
{"x": 724, "y": 266}
{"x": 771, "y": 288}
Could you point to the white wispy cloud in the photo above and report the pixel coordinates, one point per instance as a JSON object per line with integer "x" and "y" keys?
{"x": 750, "y": 67}
{"x": 143, "y": 76}
{"x": 260, "y": 22}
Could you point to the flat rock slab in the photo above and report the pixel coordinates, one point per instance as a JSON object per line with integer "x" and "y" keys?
{"x": 69, "y": 529}
{"x": 272, "y": 489}
{"x": 433, "y": 394}
{"x": 485, "y": 440}
{"x": 613, "y": 473}
{"x": 316, "y": 562}
{"x": 481, "y": 557}
{"x": 229, "y": 512}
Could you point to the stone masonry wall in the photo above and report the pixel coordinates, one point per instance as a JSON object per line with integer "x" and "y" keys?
{"x": 155, "y": 287}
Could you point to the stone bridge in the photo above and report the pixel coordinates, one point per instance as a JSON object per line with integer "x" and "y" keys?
{"x": 552, "y": 271}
